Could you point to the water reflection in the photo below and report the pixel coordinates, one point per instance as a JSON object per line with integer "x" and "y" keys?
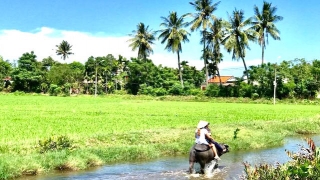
{"x": 230, "y": 167}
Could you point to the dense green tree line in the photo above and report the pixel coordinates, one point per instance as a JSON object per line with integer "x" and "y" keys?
{"x": 296, "y": 78}
{"x": 109, "y": 74}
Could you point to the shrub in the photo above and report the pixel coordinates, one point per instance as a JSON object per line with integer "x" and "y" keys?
{"x": 245, "y": 90}
{"x": 54, "y": 90}
{"x": 255, "y": 96}
{"x": 196, "y": 92}
{"x": 145, "y": 90}
{"x": 176, "y": 89}
{"x": 212, "y": 90}
{"x": 55, "y": 143}
{"x": 19, "y": 93}
{"x": 304, "y": 165}
{"x": 66, "y": 89}
{"x": 120, "y": 92}
{"x": 160, "y": 92}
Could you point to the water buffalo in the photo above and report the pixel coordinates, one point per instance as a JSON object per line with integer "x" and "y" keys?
{"x": 203, "y": 155}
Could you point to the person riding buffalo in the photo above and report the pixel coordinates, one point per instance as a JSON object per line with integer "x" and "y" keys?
{"x": 203, "y": 136}
{"x": 217, "y": 145}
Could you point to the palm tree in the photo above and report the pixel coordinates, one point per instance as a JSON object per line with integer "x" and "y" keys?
{"x": 264, "y": 24}
{"x": 201, "y": 18}
{"x": 214, "y": 37}
{"x": 142, "y": 39}
{"x": 237, "y": 38}
{"x": 173, "y": 35}
{"x": 64, "y": 49}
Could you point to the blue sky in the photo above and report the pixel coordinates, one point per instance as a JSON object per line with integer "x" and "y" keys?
{"x": 101, "y": 27}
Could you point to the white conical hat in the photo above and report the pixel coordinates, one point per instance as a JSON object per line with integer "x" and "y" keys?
{"x": 202, "y": 124}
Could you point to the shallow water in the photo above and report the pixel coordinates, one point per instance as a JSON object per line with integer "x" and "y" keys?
{"x": 175, "y": 168}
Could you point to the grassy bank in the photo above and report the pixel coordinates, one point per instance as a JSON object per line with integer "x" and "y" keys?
{"x": 124, "y": 128}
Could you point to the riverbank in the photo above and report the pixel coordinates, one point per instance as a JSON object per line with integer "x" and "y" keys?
{"x": 91, "y": 131}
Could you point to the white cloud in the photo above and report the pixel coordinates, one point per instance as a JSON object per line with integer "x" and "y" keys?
{"x": 238, "y": 64}
{"x": 43, "y": 41}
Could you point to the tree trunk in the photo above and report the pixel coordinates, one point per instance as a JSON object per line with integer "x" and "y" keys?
{"x": 262, "y": 46}
{"x": 246, "y": 70}
{"x": 179, "y": 67}
{"x": 204, "y": 58}
{"x": 219, "y": 75}
{"x": 106, "y": 84}
{"x": 262, "y": 54}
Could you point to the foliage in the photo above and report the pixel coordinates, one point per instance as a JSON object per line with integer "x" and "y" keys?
{"x": 173, "y": 35}
{"x": 142, "y": 39}
{"x": 176, "y": 89}
{"x": 213, "y": 51}
{"x": 148, "y": 90}
{"x": 5, "y": 69}
{"x": 19, "y": 93}
{"x": 235, "y": 133}
{"x": 64, "y": 49}
{"x": 28, "y": 75}
{"x": 54, "y": 90}
{"x": 212, "y": 90}
{"x": 255, "y": 96}
{"x": 264, "y": 24}
{"x": 60, "y": 74}
{"x": 237, "y": 37}
{"x": 55, "y": 143}
{"x": 245, "y": 90}
{"x": 202, "y": 19}
{"x": 130, "y": 75}
{"x": 304, "y": 164}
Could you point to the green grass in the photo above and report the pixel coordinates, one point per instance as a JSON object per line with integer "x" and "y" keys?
{"x": 124, "y": 128}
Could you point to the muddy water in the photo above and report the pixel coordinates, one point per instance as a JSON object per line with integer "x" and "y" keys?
{"x": 175, "y": 168}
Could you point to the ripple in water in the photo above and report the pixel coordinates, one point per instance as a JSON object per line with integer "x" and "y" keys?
{"x": 175, "y": 168}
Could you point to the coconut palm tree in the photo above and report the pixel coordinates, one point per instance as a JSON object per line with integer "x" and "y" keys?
{"x": 142, "y": 39}
{"x": 173, "y": 34}
{"x": 264, "y": 24}
{"x": 204, "y": 12}
{"x": 64, "y": 49}
{"x": 214, "y": 37}
{"x": 237, "y": 36}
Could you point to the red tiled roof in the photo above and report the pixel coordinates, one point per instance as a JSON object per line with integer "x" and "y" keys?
{"x": 215, "y": 79}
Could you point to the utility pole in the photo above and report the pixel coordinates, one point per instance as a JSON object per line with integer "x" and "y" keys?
{"x": 274, "y": 85}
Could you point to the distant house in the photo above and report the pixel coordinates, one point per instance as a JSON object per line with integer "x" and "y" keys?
{"x": 225, "y": 81}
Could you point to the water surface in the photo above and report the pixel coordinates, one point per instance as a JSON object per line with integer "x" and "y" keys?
{"x": 175, "y": 168}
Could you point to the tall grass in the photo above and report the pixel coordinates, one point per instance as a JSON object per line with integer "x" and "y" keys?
{"x": 120, "y": 128}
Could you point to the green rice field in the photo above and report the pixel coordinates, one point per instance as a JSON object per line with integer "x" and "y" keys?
{"x": 124, "y": 128}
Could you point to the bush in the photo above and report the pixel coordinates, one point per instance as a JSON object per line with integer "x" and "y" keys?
{"x": 196, "y": 92}
{"x": 212, "y": 90}
{"x": 54, "y": 90}
{"x": 19, "y": 93}
{"x": 245, "y": 90}
{"x": 66, "y": 89}
{"x": 146, "y": 90}
{"x": 120, "y": 92}
{"x": 55, "y": 143}
{"x": 304, "y": 165}
{"x": 160, "y": 92}
{"x": 255, "y": 96}
{"x": 176, "y": 89}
